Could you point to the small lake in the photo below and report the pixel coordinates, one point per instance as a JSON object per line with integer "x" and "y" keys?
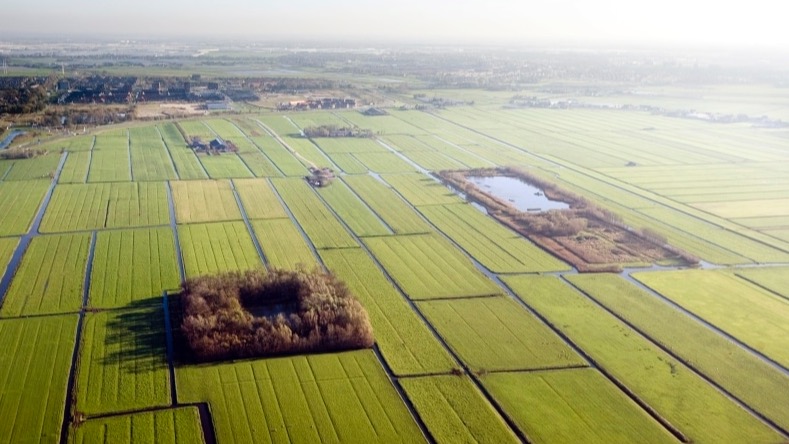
{"x": 521, "y": 195}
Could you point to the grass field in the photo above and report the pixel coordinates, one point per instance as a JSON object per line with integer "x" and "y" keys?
{"x": 20, "y": 202}
{"x": 186, "y": 163}
{"x": 259, "y": 199}
{"x": 132, "y": 265}
{"x": 75, "y": 170}
{"x": 174, "y": 426}
{"x": 496, "y": 334}
{"x": 494, "y": 246}
{"x": 455, "y": 411}
{"x": 684, "y": 399}
{"x": 751, "y": 379}
{"x": 773, "y": 279}
{"x": 50, "y": 277}
{"x": 577, "y": 405}
{"x": 401, "y": 218}
{"x": 340, "y": 397}
{"x": 224, "y": 166}
{"x": 322, "y": 227}
{"x": 747, "y": 312}
{"x": 36, "y": 168}
{"x": 7, "y": 247}
{"x": 36, "y": 355}
{"x": 107, "y": 205}
{"x": 122, "y": 363}
{"x": 428, "y": 267}
{"x": 356, "y": 214}
{"x": 404, "y": 340}
{"x": 217, "y": 247}
{"x": 421, "y": 190}
{"x": 204, "y": 201}
{"x": 150, "y": 159}
{"x": 282, "y": 244}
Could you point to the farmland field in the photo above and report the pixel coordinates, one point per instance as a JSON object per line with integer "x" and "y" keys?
{"x": 282, "y": 244}
{"x": 132, "y": 265}
{"x": 174, "y": 426}
{"x": 479, "y": 334}
{"x": 566, "y": 406}
{"x": 340, "y": 397}
{"x": 455, "y": 411}
{"x": 428, "y": 267}
{"x": 109, "y": 205}
{"x": 20, "y": 201}
{"x": 36, "y": 354}
{"x": 745, "y": 311}
{"x": 322, "y": 227}
{"x": 404, "y": 340}
{"x": 217, "y": 247}
{"x": 259, "y": 199}
{"x": 387, "y": 205}
{"x": 494, "y": 246}
{"x": 50, "y": 277}
{"x": 122, "y": 362}
{"x": 204, "y": 201}
{"x": 496, "y": 334}
{"x": 7, "y": 246}
{"x": 746, "y": 376}
{"x": 684, "y": 399}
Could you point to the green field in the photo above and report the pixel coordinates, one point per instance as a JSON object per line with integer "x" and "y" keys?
{"x": 50, "y": 277}
{"x": 204, "y": 201}
{"x": 684, "y": 399}
{"x": 122, "y": 363}
{"x": 405, "y": 341}
{"x": 339, "y": 397}
{"x": 175, "y": 426}
{"x": 360, "y": 219}
{"x": 217, "y": 247}
{"x": 36, "y": 354}
{"x": 751, "y": 314}
{"x": 401, "y": 218}
{"x": 322, "y": 227}
{"x": 108, "y": 205}
{"x": 132, "y": 265}
{"x": 739, "y": 372}
{"x": 494, "y": 246}
{"x": 577, "y": 405}
{"x": 496, "y": 334}
{"x": 282, "y": 244}
{"x": 20, "y": 202}
{"x": 480, "y": 335}
{"x": 259, "y": 199}
{"x": 773, "y": 279}
{"x": 455, "y": 411}
{"x": 428, "y": 267}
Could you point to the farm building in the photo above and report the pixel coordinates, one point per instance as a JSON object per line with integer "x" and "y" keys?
{"x": 216, "y": 146}
{"x": 320, "y": 177}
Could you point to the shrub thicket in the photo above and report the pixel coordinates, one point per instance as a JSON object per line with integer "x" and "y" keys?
{"x": 259, "y": 313}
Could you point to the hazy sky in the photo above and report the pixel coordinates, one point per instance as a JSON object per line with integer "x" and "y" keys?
{"x": 757, "y": 22}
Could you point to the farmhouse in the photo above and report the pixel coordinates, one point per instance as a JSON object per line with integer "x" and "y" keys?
{"x": 320, "y": 177}
{"x": 216, "y": 146}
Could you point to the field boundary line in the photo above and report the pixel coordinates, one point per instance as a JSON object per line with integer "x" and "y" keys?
{"x": 509, "y": 421}
{"x": 169, "y": 154}
{"x": 742, "y": 404}
{"x": 251, "y": 231}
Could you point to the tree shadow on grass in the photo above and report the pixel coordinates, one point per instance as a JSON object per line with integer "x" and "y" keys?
{"x": 135, "y": 338}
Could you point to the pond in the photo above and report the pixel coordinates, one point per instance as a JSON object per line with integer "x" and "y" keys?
{"x": 521, "y": 195}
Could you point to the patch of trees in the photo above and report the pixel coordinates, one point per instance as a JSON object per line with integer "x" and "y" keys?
{"x": 262, "y": 313}
{"x": 336, "y": 131}
{"x": 24, "y": 100}
{"x": 21, "y": 153}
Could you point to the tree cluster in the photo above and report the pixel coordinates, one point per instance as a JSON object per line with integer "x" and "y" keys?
{"x": 260, "y": 313}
